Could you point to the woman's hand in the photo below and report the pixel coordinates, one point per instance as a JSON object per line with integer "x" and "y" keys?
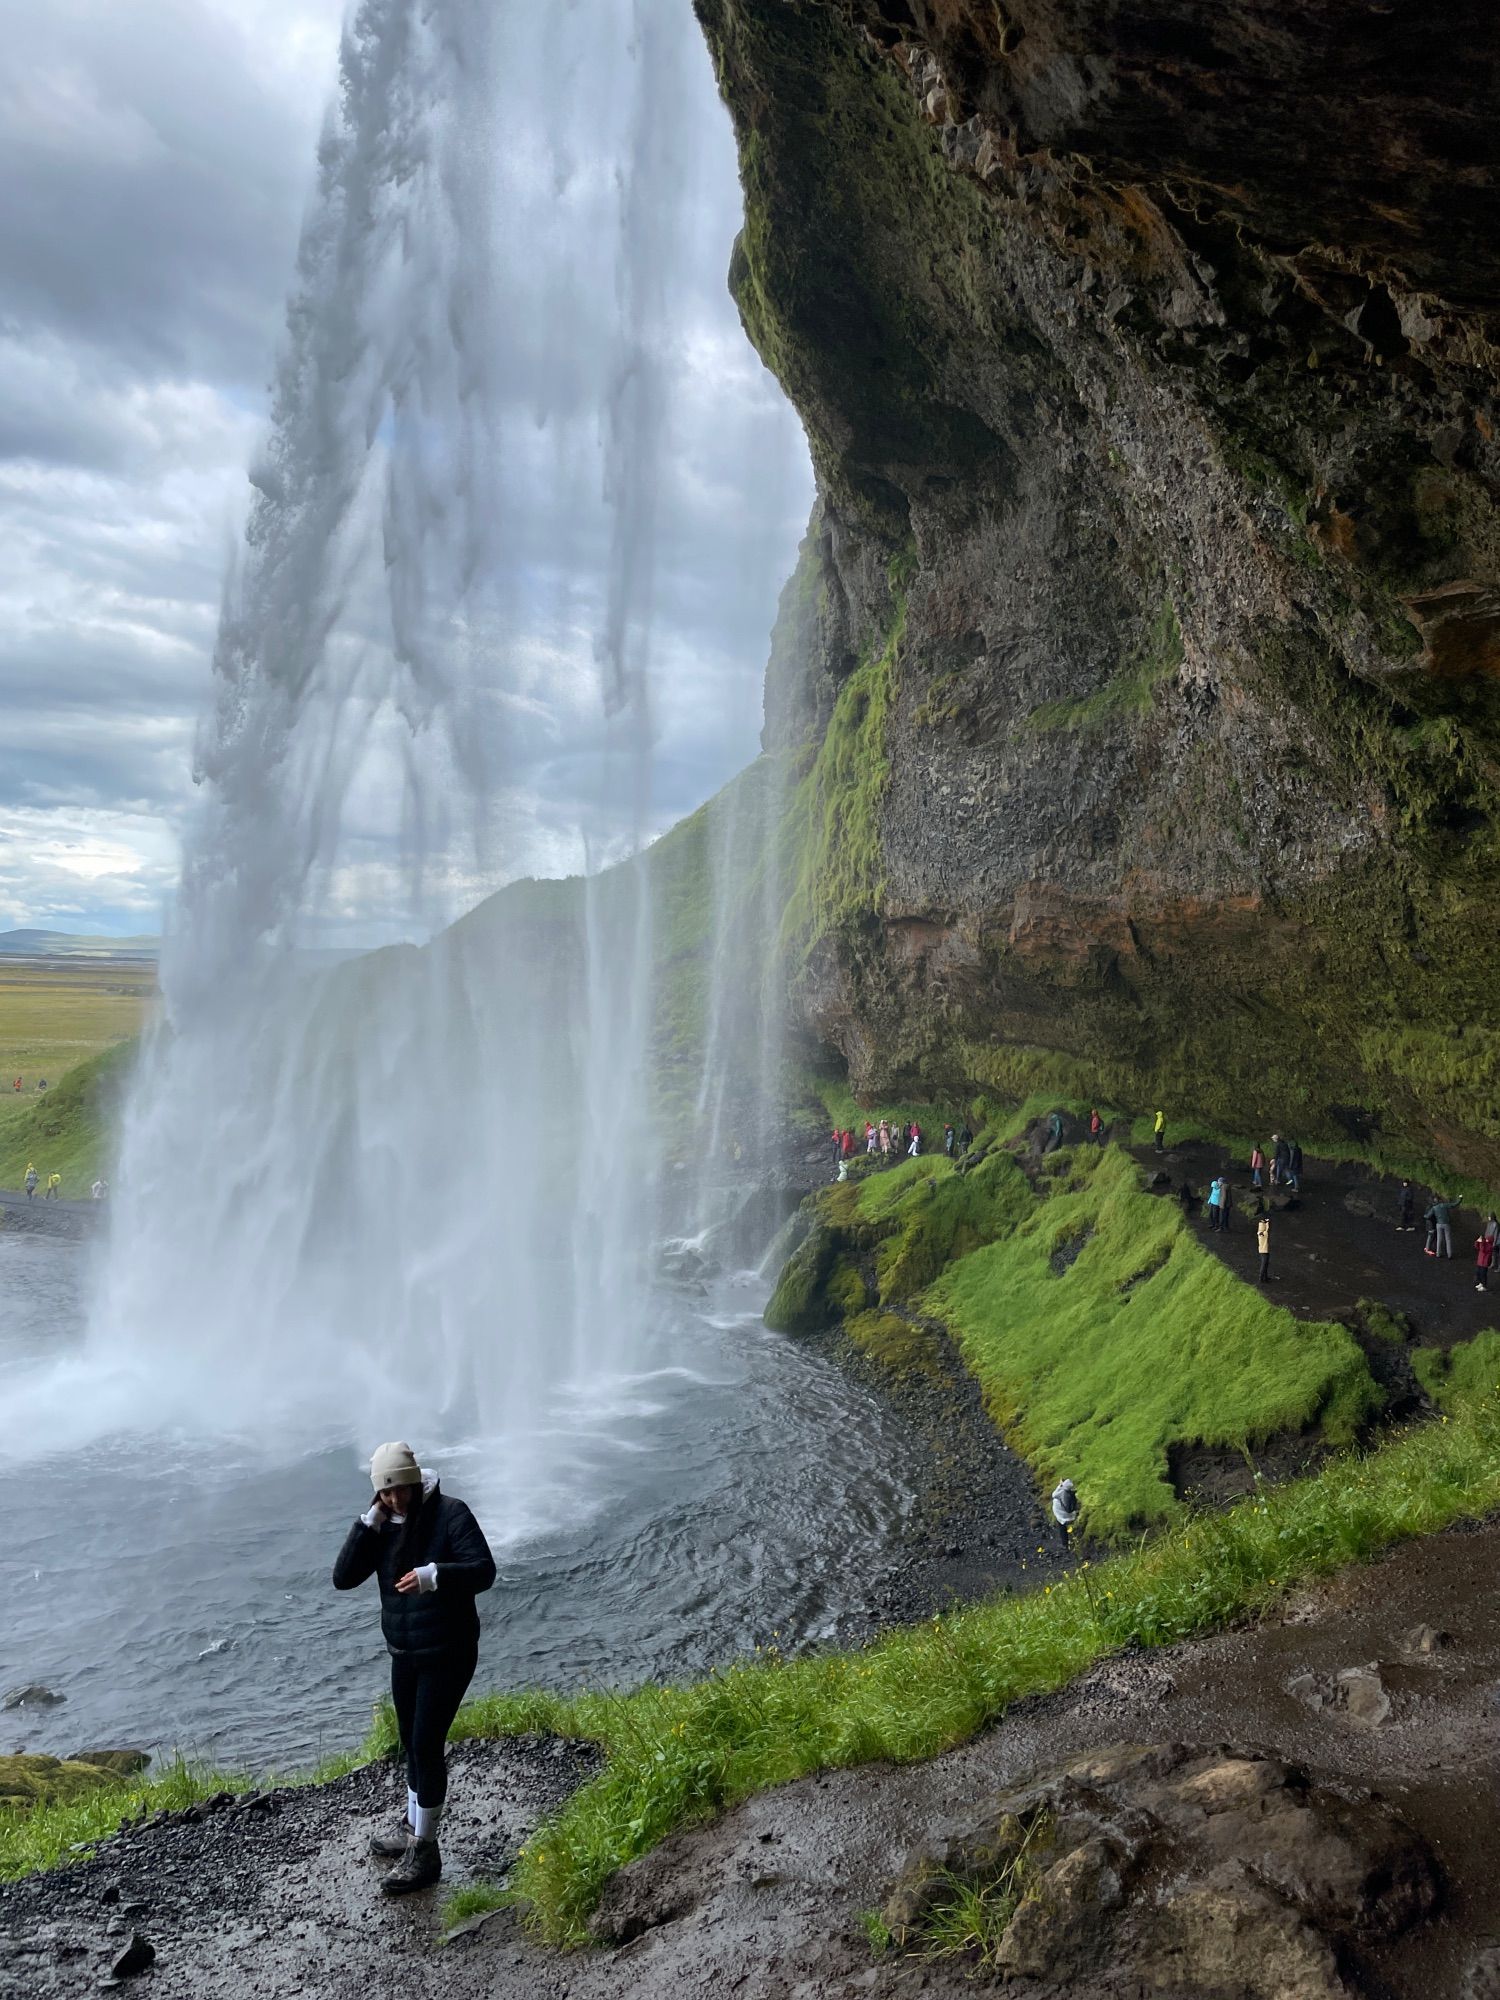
{"x": 408, "y": 1583}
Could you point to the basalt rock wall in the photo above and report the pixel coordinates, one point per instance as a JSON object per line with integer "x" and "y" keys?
{"x": 1148, "y": 354}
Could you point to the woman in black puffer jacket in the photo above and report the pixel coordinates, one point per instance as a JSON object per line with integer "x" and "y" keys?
{"x": 432, "y": 1560}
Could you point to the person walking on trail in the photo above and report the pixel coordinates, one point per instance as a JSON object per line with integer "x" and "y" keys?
{"x": 1226, "y": 1201}
{"x": 1294, "y": 1167}
{"x": 965, "y": 1139}
{"x": 1278, "y": 1156}
{"x": 948, "y": 1140}
{"x": 1159, "y": 1131}
{"x": 915, "y": 1146}
{"x": 1065, "y": 1508}
{"x": 1406, "y": 1207}
{"x": 1440, "y": 1233}
{"x": 869, "y": 1140}
{"x": 1096, "y": 1126}
{"x": 1257, "y": 1167}
{"x": 30, "y": 1182}
{"x": 1054, "y": 1132}
{"x": 1215, "y": 1198}
{"x": 431, "y": 1560}
{"x": 1484, "y": 1257}
{"x": 1492, "y": 1229}
{"x": 1263, "y": 1245}
{"x": 54, "y": 1186}
{"x": 885, "y": 1140}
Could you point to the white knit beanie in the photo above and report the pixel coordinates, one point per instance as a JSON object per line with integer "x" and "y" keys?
{"x": 394, "y": 1465}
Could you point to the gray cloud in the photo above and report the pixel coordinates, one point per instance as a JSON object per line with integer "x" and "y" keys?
{"x": 158, "y": 162}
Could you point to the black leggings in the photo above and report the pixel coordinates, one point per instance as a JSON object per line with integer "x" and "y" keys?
{"x": 427, "y": 1694}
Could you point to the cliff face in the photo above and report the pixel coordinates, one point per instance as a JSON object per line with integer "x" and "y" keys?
{"x": 1145, "y": 651}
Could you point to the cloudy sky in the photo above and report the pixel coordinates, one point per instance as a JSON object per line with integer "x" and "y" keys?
{"x": 158, "y": 160}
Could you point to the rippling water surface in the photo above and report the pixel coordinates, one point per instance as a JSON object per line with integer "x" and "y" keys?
{"x": 175, "y": 1587}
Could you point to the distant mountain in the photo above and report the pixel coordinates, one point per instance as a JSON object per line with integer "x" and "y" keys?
{"x": 64, "y": 944}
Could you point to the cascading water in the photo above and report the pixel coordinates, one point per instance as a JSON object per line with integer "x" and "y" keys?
{"x": 415, "y": 1193}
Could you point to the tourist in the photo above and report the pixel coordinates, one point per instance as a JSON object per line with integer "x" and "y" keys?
{"x": 915, "y": 1145}
{"x": 1159, "y": 1131}
{"x": 30, "y": 1181}
{"x": 1439, "y": 1219}
{"x": 1294, "y": 1167}
{"x": 1215, "y": 1201}
{"x": 1492, "y": 1229}
{"x": 1406, "y": 1202}
{"x": 1096, "y": 1126}
{"x": 965, "y": 1139}
{"x": 1226, "y": 1201}
{"x": 1484, "y": 1257}
{"x": 431, "y": 1559}
{"x": 885, "y": 1139}
{"x": 54, "y": 1186}
{"x": 1277, "y": 1156}
{"x": 948, "y": 1140}
{"x": 838, "y": 1145}
{"x": 1257, "y": 1167}
{"x": 869, "y": 1140}
{"x": 848, "y": 1144}
{"x": 97, "y": 1191}
{"x": 1263, "y": 1245}
{"x": 1065, "y": 1508}
{"x": 1054, "y": 1132}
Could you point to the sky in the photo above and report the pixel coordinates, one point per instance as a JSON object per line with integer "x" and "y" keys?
{"x": 158, "y": 157}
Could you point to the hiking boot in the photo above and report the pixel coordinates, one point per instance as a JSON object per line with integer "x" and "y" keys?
{"x": 418, "y": 1868}
{"x": 391, "y": 1846}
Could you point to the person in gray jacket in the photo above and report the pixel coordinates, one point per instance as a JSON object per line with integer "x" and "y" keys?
{"x": 1439, "y": 1220}
{"x": 1065, "y": 1508}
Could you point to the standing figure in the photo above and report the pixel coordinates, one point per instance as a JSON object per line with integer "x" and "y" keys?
{"x": 1406, "y": 1207}
{"x": 431, "y": 1560}
{"x": 1065, "y": 1508}
{"x": 1257, "y": 1167}
{"x": 1263, "y": 1245}
{"x": 1159, "y": 1131}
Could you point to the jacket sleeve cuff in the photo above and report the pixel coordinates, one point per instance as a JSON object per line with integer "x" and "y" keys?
{"x": 427, "y": 1577}
{"x": 372, "y": 1519}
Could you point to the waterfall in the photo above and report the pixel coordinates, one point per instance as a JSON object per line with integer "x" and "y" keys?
{"x": 412, "y": 1194}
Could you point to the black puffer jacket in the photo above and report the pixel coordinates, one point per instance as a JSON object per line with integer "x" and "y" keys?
{"x": 424, "y": 1624}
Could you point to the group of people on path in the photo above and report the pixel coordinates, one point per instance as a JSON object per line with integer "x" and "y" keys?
{"x": 32, "y": 1181}
{"x": 896, "y": 1138}
{"x": 1438, "y": 1220}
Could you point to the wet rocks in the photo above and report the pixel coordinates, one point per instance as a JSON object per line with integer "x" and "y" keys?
{"x": 1358, "y": 1693}
{"x": 1204, "y": 1871}
{"x": 137, "y": 1957}
{"x": 1426, "y": 1639}
{"x": 32, "y": 1696}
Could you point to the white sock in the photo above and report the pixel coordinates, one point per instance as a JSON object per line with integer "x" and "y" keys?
{"x": 425, "y": 1821}
{"x": 412, "y": 1808}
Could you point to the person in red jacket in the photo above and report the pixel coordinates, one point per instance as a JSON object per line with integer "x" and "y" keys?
{"x": 1484, "y": 1257}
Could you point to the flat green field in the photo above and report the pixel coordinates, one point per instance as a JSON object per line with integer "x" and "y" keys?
{"x": 61, "y": 1022}
{"x": 54, "y": 1015}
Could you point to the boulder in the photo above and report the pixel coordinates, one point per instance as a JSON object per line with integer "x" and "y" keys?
{"x": 137, "y": 1957}
{"x": 1198, "y": 1871}
{"x": 32, "y": 1696}
{"x": 1360, "y": 1693}
{"x": 1425, "y": 1639}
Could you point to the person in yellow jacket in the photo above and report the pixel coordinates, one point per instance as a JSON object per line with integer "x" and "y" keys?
{"x": 30, "y": 1181}
{"x": 54, "y": 1186}
{"x": 1159, "y": 1131}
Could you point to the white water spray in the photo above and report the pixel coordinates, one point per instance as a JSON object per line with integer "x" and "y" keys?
{"x": 414, "y": 1195}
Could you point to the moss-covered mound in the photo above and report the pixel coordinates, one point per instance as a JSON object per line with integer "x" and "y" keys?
{"x": 31, "y": 1780}
{"x": 1101, "y": 1331}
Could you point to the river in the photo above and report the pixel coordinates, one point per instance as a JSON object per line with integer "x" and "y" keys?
{"x": 174, "y": 1588}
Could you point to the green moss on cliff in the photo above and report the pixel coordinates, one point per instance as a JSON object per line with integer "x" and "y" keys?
{"x": 833, "y": 821}
{"x": 1130, "y": 691}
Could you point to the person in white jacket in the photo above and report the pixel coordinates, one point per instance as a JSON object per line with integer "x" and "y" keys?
{"x": 1065, "y": 1508}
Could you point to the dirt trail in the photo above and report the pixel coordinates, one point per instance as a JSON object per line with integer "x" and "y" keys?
{"x": 1340, "y": 1244}
{"x": 765, "y": 1903}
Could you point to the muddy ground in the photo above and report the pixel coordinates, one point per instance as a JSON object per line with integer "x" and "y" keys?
{"x": 278, "y": 1899}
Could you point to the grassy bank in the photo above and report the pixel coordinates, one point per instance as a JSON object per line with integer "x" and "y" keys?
{"x": 680, "y": 1754}
{"x": 50, "y": 1835}
{"x": 1100, "y": 1329}
{"x": 69, "y": 1130}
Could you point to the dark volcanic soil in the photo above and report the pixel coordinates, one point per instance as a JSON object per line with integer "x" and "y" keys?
{"x": 1340, "y": 1244}
{"x": 281, "y": 1901}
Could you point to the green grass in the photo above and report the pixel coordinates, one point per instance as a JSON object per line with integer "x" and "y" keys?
{"x": 71, "y": 1129}
{"x": 1145, "y": 1341}
{"x": 1452, "y": 1376}
{"x": 51, "y": 1835}
{"x": 679, "y": 1754}
{"x": 53, "y": 1017}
